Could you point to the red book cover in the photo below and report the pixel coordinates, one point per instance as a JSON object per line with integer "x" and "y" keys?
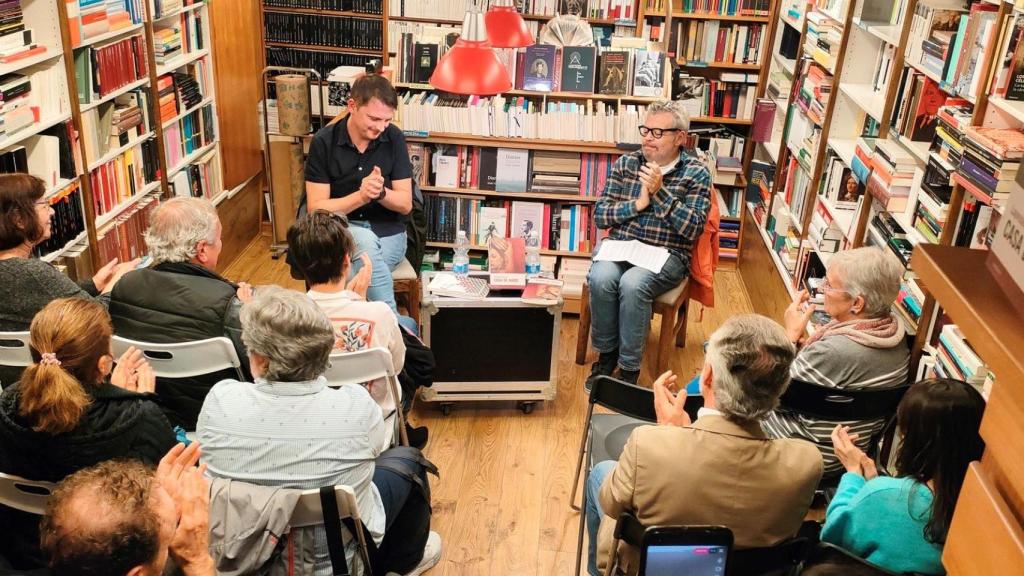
{"x": 545, "y": 235}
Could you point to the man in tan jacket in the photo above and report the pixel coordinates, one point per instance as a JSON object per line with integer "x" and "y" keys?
{"x": 721, "y": 469}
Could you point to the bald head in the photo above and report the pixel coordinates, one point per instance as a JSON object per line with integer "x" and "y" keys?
{"x": 184, "y": 230}
{"x": 102, "y": 520}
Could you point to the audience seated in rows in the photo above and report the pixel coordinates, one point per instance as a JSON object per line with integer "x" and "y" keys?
{"x": 122, "y": 518}
{"x": 64, "y": 415}
{"x": 289, "y": 429}
{"x": 721, "y": 469}
{"x": 26, "y": 283}
{"x": 900, "y": 523}
{"x": 179, "y": 298}
{"x": 864, "y": 346}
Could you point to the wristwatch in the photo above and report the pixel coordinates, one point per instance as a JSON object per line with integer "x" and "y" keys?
{"x": 383, "y": 193}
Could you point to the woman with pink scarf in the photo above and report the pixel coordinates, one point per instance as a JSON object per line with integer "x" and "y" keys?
{"x": 864, "y": 346}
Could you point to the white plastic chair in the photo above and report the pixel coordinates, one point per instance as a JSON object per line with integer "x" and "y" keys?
{"x": 14, "y": 350}
{"x": 25, "y": 495}
{"x": 309, "y": 512}
{"x": 365, "y": 366}
{"x": 185, "y": 359}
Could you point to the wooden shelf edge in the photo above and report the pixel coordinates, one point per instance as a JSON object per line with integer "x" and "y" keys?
{"x": 568, "y": 198}
{"x": 533, "y": 143}
{"x": 434, "y": 244}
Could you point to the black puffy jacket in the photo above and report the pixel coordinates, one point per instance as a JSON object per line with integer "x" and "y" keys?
{"x": 117, "y": 424}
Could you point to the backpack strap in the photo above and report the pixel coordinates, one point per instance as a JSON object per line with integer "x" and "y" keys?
{"x": 335, "y": 544}
{"x": 407, "y": 462}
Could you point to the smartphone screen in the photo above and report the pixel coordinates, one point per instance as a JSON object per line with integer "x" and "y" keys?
{"x": 675, "y": 560}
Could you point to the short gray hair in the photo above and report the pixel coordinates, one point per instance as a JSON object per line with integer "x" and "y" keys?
{"x": 680, "y": 119}
{"x": 290, "y": 331}
{"x": 177, "y": 226}
{"x": 749, "y": 357}
{"x": 871, "y": 273}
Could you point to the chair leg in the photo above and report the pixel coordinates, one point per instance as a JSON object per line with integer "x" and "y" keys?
{"x": 414, "y": 301}
{"x": 681, "y": 324}
{"x": 583, "y": 332}
{"x": 579, "y": 460}
{"x": 665, "y": 338}
{"x": 403, "y": 438}
{"x": 583, "y": 524}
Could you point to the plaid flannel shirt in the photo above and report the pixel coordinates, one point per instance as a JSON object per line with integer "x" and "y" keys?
{"x": 675, "y": 218}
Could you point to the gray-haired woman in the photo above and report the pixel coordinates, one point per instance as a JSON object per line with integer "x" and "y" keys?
{"x": 864, "y": 345}
{"x": 289, "y": 429}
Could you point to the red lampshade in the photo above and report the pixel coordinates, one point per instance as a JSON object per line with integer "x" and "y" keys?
{"x": 506, "y": 28}
{"x": 471, "y": 66}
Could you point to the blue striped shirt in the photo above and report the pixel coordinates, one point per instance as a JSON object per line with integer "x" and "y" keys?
{"x": 676, "y": 215}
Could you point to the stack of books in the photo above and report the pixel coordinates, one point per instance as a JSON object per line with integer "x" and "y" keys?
{"x": 892, "y": 235}
{"x": 16, "y": 41}
{"x": 990, "y": 161}
{"x": 168, "y": 101}
{"x": 187, "y": 90}
{"x": 933, "y": 199}
{"x": 948, "y": 143}
{"x": 556, "y": 172}
{"x": 15, "y": 110}
{"x": 824, "y": 35}
{"x": 931, "y": 33}
{"x": 166, "y": 44}
{"x": 815, "y": 92}
{"x": 909, "y": 301}
{"x": 729, "y": 239}
{"x": 892, "y": 175}
{"x": 954, "y": 358}
{"x": 68, "y": 221}
{"x": 573, "y": 273}
{"x": 124, "y": 238}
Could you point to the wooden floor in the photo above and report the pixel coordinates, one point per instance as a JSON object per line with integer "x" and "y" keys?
{"x": 502, "y": 502}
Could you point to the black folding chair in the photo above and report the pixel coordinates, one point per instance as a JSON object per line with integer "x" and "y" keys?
{"x": 830, "y": 560}
{"x": 604, "y": 435}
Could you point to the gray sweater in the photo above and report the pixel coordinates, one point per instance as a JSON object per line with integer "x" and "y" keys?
{"x": 26, "y": 286}
{"x": 839, "y": 362}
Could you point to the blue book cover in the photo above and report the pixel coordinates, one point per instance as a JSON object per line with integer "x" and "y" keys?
{"x": 539, "y": 74}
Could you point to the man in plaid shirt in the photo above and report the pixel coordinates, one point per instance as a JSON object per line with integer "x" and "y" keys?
{"x": 658, "y": 195}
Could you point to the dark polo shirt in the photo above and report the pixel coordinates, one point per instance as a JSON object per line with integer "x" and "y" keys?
{"x": 334, "y": 160}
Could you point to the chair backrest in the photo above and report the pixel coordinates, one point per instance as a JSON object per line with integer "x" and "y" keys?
{"x": 830, "y": 560}
{"x": 359, "y": 366}
{"x": 780, "y": 559}
{"x": 185, "y": 359}
{"x": 25, "y": 495}
{"x": 624, "y": 398}
{"x": 14, "y": 350}
{"x": 309, "y": 512}
{"x": 842, "y": 404}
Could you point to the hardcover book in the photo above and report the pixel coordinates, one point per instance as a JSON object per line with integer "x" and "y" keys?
{"x": 426, "y": 60}
{"x": 493, "y": 222}
{"x": 539, "y": 73}
{"x": 527, "y": 217}
{"x": 488, "y": 168}
{"x": 578, "y": 68}
{"x": 614, "y": 78}
{"x": 512, "y": 170}
{"x": 649, "y": 79}
{"x": 506, "y": 261}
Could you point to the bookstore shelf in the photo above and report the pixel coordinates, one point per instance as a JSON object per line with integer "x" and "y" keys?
{"x": 530, "y": 143}
{"x": 972, "y": 189}
{"x": 870, "y": 100}
{"x": 111, "y": 154}
{"x": 332, "y": 49}
{"x": 189, "y": 8}
{"x": 928, "y": 73}
{"x": 913, "y": 235}
{"x": 325, "y": 12}
{"x": 721, "y": 120}
{"x": 783, "y": 273}
{"x": 59, "y": 187}
{"x": 554, "y": 95}
{"x": 960, "y": 280}
{"x": 844, "y": 148}
{"x": 539, "y": 17}
{"x": 432, "y": 244}
{"x": 82, "y": 236}
{"x": 1012, "y": 107}
{"x": 713, "y": 16}
{"x": 206, "y": 102}
{"x": 98, "y": 39}
{"x": 114, "y": 94}
{"x": 33, "y": 129}
{"x": 843, "y": 218}
{"x": 222, "y": 196}
{"x": 572, "y": 198}
{"x": 918, "y": 150}
{"x": 108, "y": 217}
{"x": 195, "y": 155}
{"x": 772, "y": 147}
{"x": 884, "y": 31}
{"x": 179, "y": 61}
{"x": 788, "y": 64}
{"x": 51, "y": 53}
{"x": 794, "y": 23}
{"x": 722, "y": 65}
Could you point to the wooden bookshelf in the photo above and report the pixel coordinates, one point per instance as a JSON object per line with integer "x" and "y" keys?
{"x": 567, "y": 198}
{"x": 322, "y": 12}
{"x": 527, "y": 143}
{"x": 721, "y": 65}
{"x": 543, "y": 252}
{"x": 321, "y": 48}
{"x": 723, "y": 17}
{"x": 553, "y": 95}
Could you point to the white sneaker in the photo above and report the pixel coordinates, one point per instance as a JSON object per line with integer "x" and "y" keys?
{"x": 431, "y": 555}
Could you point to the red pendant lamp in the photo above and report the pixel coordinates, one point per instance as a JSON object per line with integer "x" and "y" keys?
{"x": 471, "y": 66}
{"x": 506, "y": 27}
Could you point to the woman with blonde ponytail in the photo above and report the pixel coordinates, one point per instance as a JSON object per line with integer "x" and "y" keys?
{"x": 72, "y": 409}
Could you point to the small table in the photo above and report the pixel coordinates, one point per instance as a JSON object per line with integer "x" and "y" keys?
{"x": 498, "y": 348}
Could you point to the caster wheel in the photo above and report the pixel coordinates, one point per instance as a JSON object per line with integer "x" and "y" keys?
{"x": 527, "y": 407}
{"x": 446, "y": 409}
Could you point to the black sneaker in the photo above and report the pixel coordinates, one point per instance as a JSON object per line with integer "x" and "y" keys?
{"x": 417, "y": 436}
{"x": 630, "y": 376}
{"x": 604, "y": 366}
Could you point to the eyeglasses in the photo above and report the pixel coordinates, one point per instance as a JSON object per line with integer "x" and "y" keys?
{"x": 827, "y": 286}
{"x": 655, "y": 132}
{"x": 45, "y": 203}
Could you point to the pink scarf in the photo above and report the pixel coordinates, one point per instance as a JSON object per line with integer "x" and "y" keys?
{"x": 879, "y": 333}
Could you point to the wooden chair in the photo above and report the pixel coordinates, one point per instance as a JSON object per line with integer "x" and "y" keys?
{"x": 407, "y": 286}
{"x": 671, "y": 306}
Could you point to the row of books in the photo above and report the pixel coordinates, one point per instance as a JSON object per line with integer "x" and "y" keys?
{"x": 38, "y": 156}
{"x": 560, "y": 226}
{"x": 191, "y": 26}
{"x": 323, "y": 30}
{"x": 123, "y": 177}
{"x": 67, "y": 222}
{"x": 177, "y": 92}
{"x": 990, "y": 160}
{"x": 361, "y": 6}
{"x": 125, "y": 239}
{"x": 722, "y": 98}
{"x": 322, "y": 62}
{"x": 115, "y": 123}
{"x": 824, "y": 35}
{"x": 933, "y": 199}
{"x": 517, "y": 117}
{"x": 712, "y": 41}
{"x": 795, "y": 191}
{"x": 103, "y": 69}
{"x": 909, "y": 301}
{"x": 16, "y": 99}
{"x": 816, "y": 89}
{"x": 729, "y": 239}
{"x": 164, "y": 8}
{"x": 886, "y": 232}
{"x": 918, "y": 101}
{"x": 188, "y": 134}
{"x": 16, "y": 41}
{"x": 727, "y": 7}
{"x": 201, "y": 179}
{"x": 949, "y": 355}
{"x": 90, "y": 18}
{"x": 950, "y": 42}
{"x": 824, "y": 233}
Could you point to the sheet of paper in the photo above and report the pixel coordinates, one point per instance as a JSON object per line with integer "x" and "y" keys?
{"x": 633, "y": 251}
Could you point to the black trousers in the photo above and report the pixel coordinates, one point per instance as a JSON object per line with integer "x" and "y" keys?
{"x": 407, "y": 523}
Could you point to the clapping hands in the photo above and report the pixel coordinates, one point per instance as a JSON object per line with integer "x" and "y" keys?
{"x": 178, "y": 475}
{"x": 667, "y": 405}
{"x": 133, "y": 372}
{"x": 850, "y": 456}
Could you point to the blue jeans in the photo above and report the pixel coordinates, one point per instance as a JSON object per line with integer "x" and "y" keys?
{"x": 592, "y": 509}
{"x": 385, "y": 255}
{"x": 620, "y": 305}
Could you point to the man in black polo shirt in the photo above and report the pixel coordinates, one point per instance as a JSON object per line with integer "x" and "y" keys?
{"x": 359, "y": 166}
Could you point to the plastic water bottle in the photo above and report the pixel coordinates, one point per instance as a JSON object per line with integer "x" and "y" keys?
{"x": 532, "y": 254}
{"x": 460, "y": 263}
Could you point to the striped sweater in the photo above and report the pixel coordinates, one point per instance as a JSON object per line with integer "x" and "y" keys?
{"x": 839, "y": 362}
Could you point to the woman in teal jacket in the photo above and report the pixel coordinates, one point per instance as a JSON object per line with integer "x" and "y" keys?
{"x": 900, "y": 523}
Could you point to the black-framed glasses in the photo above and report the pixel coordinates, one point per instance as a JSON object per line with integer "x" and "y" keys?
{"x": 655, "y": 132}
